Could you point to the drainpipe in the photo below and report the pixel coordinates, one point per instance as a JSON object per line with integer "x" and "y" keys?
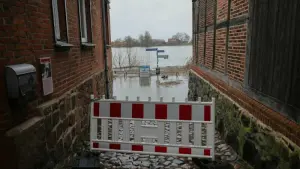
{"x": 105, "y": 46}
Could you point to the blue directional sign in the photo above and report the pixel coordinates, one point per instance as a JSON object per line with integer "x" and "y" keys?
{"x": 161, "y": 51}
{"x": 151, "y": 49}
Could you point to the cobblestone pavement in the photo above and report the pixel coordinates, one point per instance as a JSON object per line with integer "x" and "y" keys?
{"x": 122, "y": 160}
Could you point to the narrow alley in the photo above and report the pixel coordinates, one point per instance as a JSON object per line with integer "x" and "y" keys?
{"x": 149, "y": 84}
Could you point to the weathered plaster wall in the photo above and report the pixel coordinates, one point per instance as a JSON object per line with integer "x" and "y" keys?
{"x": 255, "y": 142}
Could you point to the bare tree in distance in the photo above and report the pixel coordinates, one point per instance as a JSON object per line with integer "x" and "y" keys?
{"x": 128, "y": 44}
{"x": 125, "y": 59}
{"x": 118, "y": 60}
{"x": 131, "y": 58}
{"x": 128, "y": 57}
{"x": 142, "y": 40}
{"x": 147, "y": 39}
{"x": 182, "y": 37}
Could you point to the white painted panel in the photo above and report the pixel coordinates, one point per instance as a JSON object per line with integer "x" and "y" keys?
{"x": 104, "y": 145}
{"x": 104, "y": 129}
{"x": 126, "y": 110}
{"x": 149, "y": 130}
{"x": 149, "y": 111}
{"x": 210, "y": 134}
{"x": 173, "y": 150}
{"x": 126, "y": 147}
{"x": 104, "y": 109}
{"x": 198, "y": 112}
{"x": 149, "y": 148}
{"x": 185, "y": 134}
{"x": 173, "y": 111}
{"x": 137, "y": 132}
{"x": 173, "y": 133}
{"x": 126, "y": 130}
{"x": 197, "y": 134}
{"x": 197, "y": 151}
{"x": 115, "y": 130}
{"x": 161, "y": 132}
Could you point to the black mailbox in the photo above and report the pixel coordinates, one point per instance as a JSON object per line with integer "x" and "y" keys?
{"x": 21, "y": 81}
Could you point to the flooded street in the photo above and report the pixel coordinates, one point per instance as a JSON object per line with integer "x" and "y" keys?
{"x": 134, "y": 87}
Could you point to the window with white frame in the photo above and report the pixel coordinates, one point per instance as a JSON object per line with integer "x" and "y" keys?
{"x": 85, "y": 20}
{"x": 60, "y": 20}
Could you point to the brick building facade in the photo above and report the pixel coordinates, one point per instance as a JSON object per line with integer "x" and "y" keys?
{"x": 212, "y": 37}
{"x": 233, "y": 54}
{"x": 70, "y": 32}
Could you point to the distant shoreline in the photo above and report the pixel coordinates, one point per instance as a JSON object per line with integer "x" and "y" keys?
{"x": 151, "y": 46}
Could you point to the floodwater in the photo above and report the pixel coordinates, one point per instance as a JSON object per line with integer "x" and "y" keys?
{"x": 134, "y": 87}
{"x": 144, "y": 88}
{"x": 178, "y": 55}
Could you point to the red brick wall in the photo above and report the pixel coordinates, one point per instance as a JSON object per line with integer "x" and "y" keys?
{"x": 238, "y": 8}
{"x": 201, "y": 47}
{"x": 237, "y": 52}
{"x": 209, "y": 12}
{"x": 201, "y": 36}
{"x": 27, "y": 34}
{"x": 209, "y": 33}
{"x": 220, "y": 50}
{"x": 220, "y": 54}
{"x": 222, "y": 10}
{"x": 209, "y": 49}
{"x": 202, "y": 13}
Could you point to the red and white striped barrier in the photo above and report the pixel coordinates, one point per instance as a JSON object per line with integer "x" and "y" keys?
{"x": 199, "y": 114}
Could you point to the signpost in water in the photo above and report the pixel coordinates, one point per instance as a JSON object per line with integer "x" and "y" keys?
{"x": 157, "y": 57}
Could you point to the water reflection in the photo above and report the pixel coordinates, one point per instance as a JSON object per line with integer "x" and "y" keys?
{"x": 145, "y": 81}
{"x": 144, "y": 88}
{"x": 129, "y": 81}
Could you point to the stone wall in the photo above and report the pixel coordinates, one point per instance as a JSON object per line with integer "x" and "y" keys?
{"x": 256, "y": 143}
{"x": 52, "y": 136}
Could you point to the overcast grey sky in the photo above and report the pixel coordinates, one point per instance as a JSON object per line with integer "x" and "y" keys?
{"x": 162, "y": 18}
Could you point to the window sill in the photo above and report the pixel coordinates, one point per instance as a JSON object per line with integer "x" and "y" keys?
{"x": 63, "y": 45}
{"x": 88, "y": 45}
